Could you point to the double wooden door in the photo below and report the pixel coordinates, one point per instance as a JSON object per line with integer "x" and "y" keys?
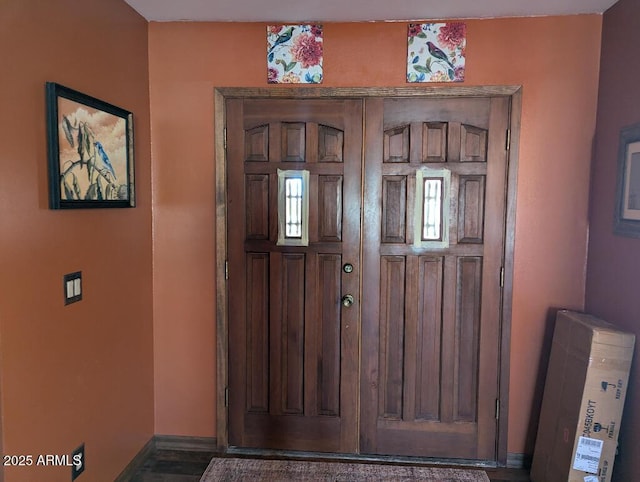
{"x": 365, "y": 248}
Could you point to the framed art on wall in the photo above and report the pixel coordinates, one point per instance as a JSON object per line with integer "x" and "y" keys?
{"x": 90, "y": 145}
{"x": 294, "y": 54}
{"x": 627, "y": 211}
{"x": 436, "y": 52}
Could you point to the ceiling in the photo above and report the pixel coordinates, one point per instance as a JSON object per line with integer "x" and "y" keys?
{"x": 355, "y": 10}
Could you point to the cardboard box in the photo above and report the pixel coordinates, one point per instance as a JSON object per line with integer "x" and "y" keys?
{"x": 583, "y": 399}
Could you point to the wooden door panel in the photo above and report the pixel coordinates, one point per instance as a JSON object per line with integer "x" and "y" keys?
{"x": 294, "y": 141}
{"x": 432, "y": 440}
{"x": 257, "y": 309}
{"x": 396, "y": 144}
{"x": 429, "y": 323}
{"x": 314, "y": 434}
{"x": 471, "y": 209}
{"x": 399, "y": 111}
{"x": 293, "y": 347}
{"x": 434, "y": 142}
{"x": 330, "y": 215}
{"x": 427, "y": 333}
{"x": 330, "y": 144}
{"x": 410, "y": 337}
{"x": 257, "y": 202}
{"x": 287, "y": 340}
{"x": 392, "y": 304}
{"x": 257, "y": 144}
{"x": 466, "y": 338}
{"x": 394, "y": 209}
{"x": 473, "y": 144}
{"x": 327, "y": 362}
{"x": 430, "y": 342}
{"x": 322, "y": 336}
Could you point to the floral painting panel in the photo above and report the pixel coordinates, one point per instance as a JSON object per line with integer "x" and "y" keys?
{"x": 436, "y": 52}
{"x": 294, "y": 54}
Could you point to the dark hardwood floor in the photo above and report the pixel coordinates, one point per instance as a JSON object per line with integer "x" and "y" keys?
{"x": 188, "y": 466}
{"x": 173, "y": 466}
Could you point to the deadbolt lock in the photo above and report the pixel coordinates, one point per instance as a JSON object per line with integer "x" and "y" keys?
{"x": 347, "y": 268}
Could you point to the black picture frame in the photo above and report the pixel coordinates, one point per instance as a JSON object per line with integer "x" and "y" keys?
{"x": 627, "y": 210}
{"x": 90, "y": 151}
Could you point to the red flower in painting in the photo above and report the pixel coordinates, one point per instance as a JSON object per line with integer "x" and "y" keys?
{"x": 316, "y": 30}
{"x": 272, "y": 75}
{"x": 307, "y": 50}
{"x": 452, "y": 34}
{"x": 274, "y": 29}
{"x": 414, "y": 29}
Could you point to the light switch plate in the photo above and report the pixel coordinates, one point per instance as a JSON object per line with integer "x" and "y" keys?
{"x": 72, "y": 284}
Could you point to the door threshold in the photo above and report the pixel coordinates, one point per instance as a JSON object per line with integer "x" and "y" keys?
{"x": 361, "y": 458}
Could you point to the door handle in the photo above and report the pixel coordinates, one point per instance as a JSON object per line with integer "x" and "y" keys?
{"x": 347, "y": 300}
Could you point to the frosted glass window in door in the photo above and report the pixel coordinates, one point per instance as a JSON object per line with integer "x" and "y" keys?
{"x": 431, "y": 213}
{"x": 293, "y": 207}
{"x": 432, "y": 210}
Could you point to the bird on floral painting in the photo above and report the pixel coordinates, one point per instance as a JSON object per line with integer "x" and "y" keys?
{"x": 282, "y": 38}
{"x": 105, "y": 163}
{"x": 440, "y": 55}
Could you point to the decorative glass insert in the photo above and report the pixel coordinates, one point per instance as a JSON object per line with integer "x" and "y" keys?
{"x": 294, "y": 54}
{"x": 432, "y": 209}
{"x": 293, "y": 208}
{"x": 431, "y": 215}
{"x": 436, "y": 52}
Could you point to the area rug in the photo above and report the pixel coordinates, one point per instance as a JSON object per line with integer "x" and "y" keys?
{"x": 233, "y": 469}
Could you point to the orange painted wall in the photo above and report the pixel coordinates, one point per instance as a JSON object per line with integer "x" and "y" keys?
{"x": 555, "y": 59}
{"x": 80, "y": 373}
